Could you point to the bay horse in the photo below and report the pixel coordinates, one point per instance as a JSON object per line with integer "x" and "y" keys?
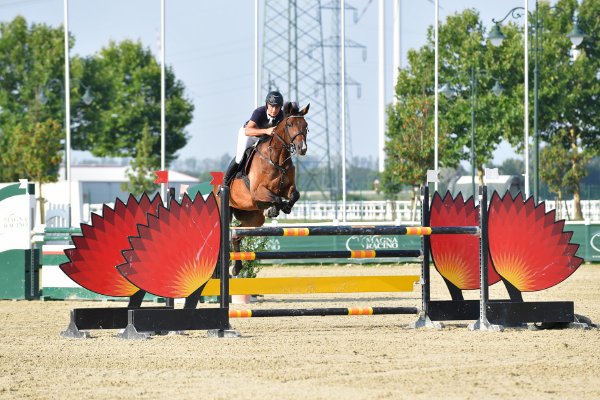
{"x": 270, "y": 186}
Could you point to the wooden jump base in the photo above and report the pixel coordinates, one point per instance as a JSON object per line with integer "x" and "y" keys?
{"x": 309, "y": 285}
{"x": 321, "y": 312}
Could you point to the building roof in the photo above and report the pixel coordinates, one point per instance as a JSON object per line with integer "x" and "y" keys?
{"x": 114, "y": 173}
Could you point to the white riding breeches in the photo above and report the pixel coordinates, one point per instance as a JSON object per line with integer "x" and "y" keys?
{"x": 243, "y": 142}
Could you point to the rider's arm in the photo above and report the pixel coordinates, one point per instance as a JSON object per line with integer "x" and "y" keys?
{"x": 253, "y": 130}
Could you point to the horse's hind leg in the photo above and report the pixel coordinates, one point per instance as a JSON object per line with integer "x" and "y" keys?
{"x": 237, "y": 265}
{"x": 247, "y": 219}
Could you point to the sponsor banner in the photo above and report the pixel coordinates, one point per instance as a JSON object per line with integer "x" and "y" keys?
{"x": 16, "y": 216}
{"x": 341, "y": 243}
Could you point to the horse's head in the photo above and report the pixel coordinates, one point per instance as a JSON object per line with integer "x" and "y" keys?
{"x": 295, "y": 128}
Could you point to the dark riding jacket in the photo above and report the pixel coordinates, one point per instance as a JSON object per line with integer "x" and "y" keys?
{"x": 262, "y": 120}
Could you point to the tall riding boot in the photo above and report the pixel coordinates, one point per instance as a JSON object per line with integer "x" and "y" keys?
{"x": 230, "y": 173}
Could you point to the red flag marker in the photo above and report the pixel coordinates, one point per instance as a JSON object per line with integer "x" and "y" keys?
{"x": 217, "y": 178}
{"x": 162, "y": 176}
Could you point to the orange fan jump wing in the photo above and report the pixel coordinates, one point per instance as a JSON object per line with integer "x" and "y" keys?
{"x": 177, "y": 251}
{"x": 92, "y": 262}
{"x": 456, "y": 257}
{"x": 527, "y": 246}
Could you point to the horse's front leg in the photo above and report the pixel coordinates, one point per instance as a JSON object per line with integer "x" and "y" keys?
{"x": 268, "y": 201}
{"x": 293, "y": 196}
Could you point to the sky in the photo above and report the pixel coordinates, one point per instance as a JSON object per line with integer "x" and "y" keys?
{"x": 210, "y": 45}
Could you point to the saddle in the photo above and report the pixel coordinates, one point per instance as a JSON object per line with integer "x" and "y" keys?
{"x": 245, "y": 163}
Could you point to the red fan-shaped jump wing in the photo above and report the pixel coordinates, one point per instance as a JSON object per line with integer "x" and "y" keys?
{"x": 528, "y": 248}
{"x": 93, "y": 260}
{"x": 456, "y": 257}
{"x": 177, "y": 251}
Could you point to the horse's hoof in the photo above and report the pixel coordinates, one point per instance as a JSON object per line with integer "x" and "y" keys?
{"x": 286, "y": 209}
{"x": 271, "y": 212}
{"x": 235, "y": 271}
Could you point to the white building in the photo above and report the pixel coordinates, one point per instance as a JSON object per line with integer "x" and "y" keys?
{"x": 92, "y": 186}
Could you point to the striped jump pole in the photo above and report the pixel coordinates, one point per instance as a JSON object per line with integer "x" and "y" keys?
{"x": 271, "y": 255}
{"x": 320, "y": 312}
{"x": 354, "y": 230}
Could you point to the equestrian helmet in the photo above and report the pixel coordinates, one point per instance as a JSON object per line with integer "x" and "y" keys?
{"x": 274, "y": 98}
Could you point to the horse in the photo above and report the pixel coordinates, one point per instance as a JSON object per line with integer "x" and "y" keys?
{"x": 269, "y": 186}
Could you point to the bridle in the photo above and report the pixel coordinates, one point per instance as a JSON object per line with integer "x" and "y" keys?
{"x": 289, "y": 146}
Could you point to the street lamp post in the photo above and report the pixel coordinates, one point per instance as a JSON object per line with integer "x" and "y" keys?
{"x": 449, "y": 93}
{"x": 87, "y": 99}
{"x": 496, "y": 37}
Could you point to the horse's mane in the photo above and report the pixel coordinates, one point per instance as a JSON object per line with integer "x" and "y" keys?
{"x": 291, "y": 108}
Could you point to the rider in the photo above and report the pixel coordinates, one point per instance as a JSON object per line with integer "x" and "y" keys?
{"x": 262, "y": 122}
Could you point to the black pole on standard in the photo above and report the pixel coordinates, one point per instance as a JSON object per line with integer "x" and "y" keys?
{"x": 224, "y": 298}
{"x": 425, "y": 288}
{"x": 482, "y": 323}
{"x": 170, "y": 302}
{"x": 224, "y": 270}
{"x": 424, "y": 321}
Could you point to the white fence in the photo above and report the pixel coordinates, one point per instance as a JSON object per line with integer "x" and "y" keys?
{"x": 355, "y": 211}
{"x": 402, "y": 211}
{"x": 566, "y": 209}
{"x": 57, "y": 215}
{"x": 385, "y": 211}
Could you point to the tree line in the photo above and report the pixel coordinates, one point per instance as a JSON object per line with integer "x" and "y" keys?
{"x": 569, "y": 121}
{"x": 114, "y": 105}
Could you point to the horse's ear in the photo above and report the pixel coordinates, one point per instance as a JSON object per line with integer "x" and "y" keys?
{"x": 287, "y": 108}
{"x": 290, "y": 107}
{"x": 305, "y": 109}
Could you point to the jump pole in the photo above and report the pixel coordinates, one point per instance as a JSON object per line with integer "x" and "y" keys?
{"x": 357, "y": 254}
{"x": 350, "y": 230}
{"x": 318, "y": 312}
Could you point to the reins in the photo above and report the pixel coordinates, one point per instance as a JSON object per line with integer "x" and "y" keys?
{"x": 289, "y": 148}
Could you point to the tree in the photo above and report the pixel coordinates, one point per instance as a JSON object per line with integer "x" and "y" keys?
{"x": 29, "y": 56}
{"x": 409, "y": 148}
{"x": 34, "y": 149}
{"x": 467, "y": 65}
{"x": 140, "y": 171}
{"x": 569, "y": 91}
{"x": 125, "y": 78}
{"x": 555, "y": 165}
{"x": 511, "y": 166}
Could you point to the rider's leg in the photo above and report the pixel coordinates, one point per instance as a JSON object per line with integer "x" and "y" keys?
{"x": 243, "y": 142}
{"x": 239, "y": 154}
{"x": 230, "y": 173}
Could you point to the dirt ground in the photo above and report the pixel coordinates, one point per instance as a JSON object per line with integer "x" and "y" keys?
{"x": 362, "y": 357}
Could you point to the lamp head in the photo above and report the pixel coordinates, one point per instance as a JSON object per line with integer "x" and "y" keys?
{"x": 41, "y": 97}
{"x": 497, "y": 89}
{"x": 496, "y": 36}
{"x": 88, "y": 97}
{"x": 576, "y": 35}
{"x": 447, "y": 91}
